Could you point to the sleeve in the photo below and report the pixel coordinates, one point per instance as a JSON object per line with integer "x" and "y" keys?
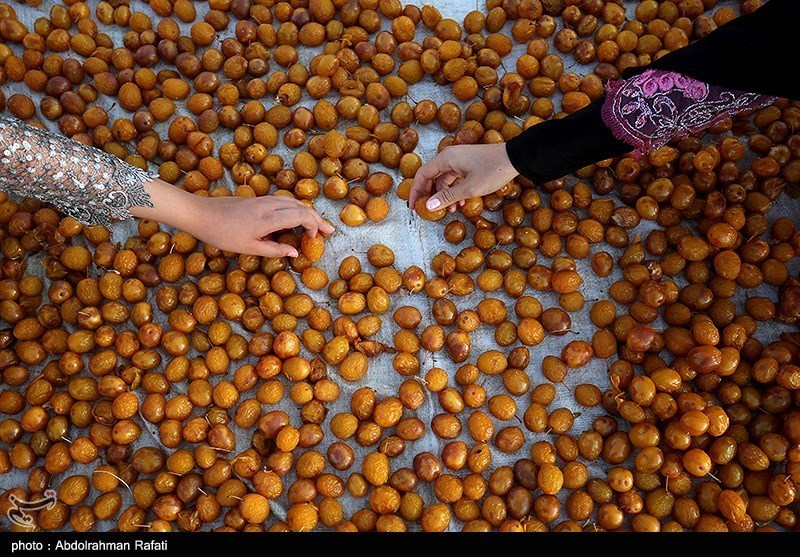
{"x": 649, "y": 110}
{"x": 754, "y": 53}
{"x": 85, "y": 183}
{"x": 742, "y": 66}
{"x": 555, "y": 148}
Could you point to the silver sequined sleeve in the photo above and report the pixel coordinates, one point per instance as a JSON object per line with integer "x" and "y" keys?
{"x": 85, "y": 183}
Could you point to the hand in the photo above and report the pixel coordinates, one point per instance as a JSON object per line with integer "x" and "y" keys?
{"x": 238, "y": 224}
{"x": 243, "y": 224}
{"x": 460, "y": 172}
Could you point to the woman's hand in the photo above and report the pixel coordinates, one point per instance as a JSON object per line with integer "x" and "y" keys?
{"x": 238, "y": 224}
{"x": 461, "y": 172}
{"x": 242, "y": 224}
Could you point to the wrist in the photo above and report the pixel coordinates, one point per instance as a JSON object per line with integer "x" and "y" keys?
{"x": 504, "y": 164}
{"x": 504, "y": 158}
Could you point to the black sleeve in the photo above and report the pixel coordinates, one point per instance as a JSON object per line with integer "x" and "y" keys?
{"x": 555, "y": 148}
{"x": 750, "y": 53}
{"x": 753, "y": 53}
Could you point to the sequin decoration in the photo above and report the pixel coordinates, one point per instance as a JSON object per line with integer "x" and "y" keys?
{"x": 85, "y": 183}
{"x": 651, "y": 109}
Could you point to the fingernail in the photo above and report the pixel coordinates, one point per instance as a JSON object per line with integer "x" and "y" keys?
{"x": 433, "y": 204}
{"x": 293, "y": 253}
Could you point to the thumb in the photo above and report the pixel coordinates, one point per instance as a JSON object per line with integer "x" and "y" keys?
{"x": 449, "y": 196}
{"x": 268, "y": 248}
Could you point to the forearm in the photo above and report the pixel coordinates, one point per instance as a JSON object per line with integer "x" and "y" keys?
{"x": 172, "y": 206}
{"x": 97, "y": 188}
{"x": 85, "y": 183}
{"x": 555, "y": 148}
{"x": 669, "y": 99}
{"x": 754, "y": 53}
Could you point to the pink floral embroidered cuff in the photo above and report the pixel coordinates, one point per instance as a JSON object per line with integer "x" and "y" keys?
{"x": 651, "y": 109}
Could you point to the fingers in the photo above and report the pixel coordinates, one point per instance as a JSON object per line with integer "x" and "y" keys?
{"x": 450, "y": 196}
{"x": 323, "y": 226}
{"x": 289, "y": 213}
{"x": 305, "y": 217}
{"x": 446, "y": 180}
{"x": 426, "y": 174}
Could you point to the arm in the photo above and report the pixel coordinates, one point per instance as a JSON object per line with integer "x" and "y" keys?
{"x": 641, "y": 113}
{"x": 97, "y": 188}
{"x": 626, "y": 119}
{"x": 740, "y": 66}
{"x": 238, "y": 224}
{"x": 754, "y": 53}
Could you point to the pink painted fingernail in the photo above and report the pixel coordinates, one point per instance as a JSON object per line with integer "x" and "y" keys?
{"x": 433, "y": 204}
